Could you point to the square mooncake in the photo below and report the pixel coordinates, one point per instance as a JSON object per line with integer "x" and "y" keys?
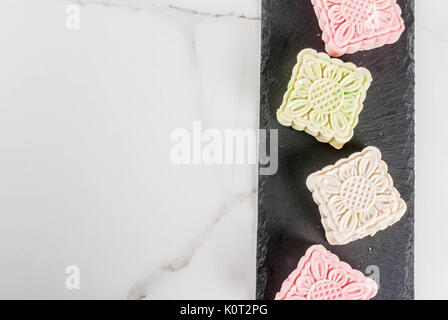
{"x": 352, "y": 25}
{"x": 320, "y": 275}
{"x": 356, "y": 197}
{"x": 324, "y": 97}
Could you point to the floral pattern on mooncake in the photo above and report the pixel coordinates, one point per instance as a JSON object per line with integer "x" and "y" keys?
{"x": 352, "y": 25}
{"x": 356, "y": 197}
{"x": 320, "y": 275}
{"x": 324, "y": 97}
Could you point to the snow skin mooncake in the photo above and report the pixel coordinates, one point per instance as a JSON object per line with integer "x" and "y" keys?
{"x": 324, "y": 97}
{"x": 352, "y": 25}
{"x": 356, "y": 197}
{"x": 320, "y": 275}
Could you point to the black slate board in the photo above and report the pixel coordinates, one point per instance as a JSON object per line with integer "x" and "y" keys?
{"x": 288, "y": 219}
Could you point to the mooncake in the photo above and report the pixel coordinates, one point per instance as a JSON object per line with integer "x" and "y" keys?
{"x": 320, "y": 275}
{"x": 352, "y": 25}
{"x": 324, "y": 97}
{"x": 356, "y": 197}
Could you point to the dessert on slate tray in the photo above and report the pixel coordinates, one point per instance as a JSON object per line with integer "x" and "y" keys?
{"x": 356, "y": 197}
{"x": 324, "y": 97}
{"x": 320, "y": 275}
{"x": 352, "y": 25}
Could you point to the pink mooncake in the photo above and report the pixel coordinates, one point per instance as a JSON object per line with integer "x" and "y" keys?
{"x": 353, "y": 25}
{"x": 320, "y": 275}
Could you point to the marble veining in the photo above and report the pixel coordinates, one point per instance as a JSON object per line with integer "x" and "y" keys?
{"x": 142, "y": 288}
{"x": 188, "y": 7}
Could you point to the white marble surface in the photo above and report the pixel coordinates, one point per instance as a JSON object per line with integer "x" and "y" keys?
{"x": 431, "y": 112}
{"x": 86, "y": 117}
